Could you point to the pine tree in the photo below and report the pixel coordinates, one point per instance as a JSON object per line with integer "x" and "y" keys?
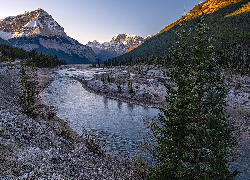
{"x": 130, "y": 86}
{"x": 119, "y": 87}
{"x": 26, "y": 97}
{"x": 105, "y": 83}
{"x": 194, "y": 137}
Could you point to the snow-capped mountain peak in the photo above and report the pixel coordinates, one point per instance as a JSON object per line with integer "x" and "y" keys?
{"x": 37, "y": 30}
{"x": 116, "y": 46}
{"x": 125, "y": 39}
{"x": 33, "y": 23}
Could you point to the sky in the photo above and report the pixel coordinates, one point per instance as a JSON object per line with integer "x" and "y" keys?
{"x": 88, "y": 20}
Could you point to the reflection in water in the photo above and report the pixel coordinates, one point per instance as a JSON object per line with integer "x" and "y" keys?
{"x": 119, "y": 104}
{"x": 146, "y": 108}
{"x": 130, "y": 106}
{"x": 105, "y": 101}
{"x": 117, "y": 122}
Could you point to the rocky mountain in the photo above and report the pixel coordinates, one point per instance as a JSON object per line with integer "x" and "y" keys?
{"x": 37, "y": 30}
{"x": 116, "y": 46}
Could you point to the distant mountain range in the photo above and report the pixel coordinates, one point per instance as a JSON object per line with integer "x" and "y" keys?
{"x": 228, "y": 20}
{"x": 117, "y": 45}
{"x": 37, "y": 30}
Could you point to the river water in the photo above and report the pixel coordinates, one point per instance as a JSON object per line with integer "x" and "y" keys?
{"x": 116, "y": 122}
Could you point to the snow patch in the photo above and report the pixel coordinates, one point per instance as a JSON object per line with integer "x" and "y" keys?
{"x": 32, "y": 24}
{"x": 148, "y": 36}
{"x": 5, "y": 35}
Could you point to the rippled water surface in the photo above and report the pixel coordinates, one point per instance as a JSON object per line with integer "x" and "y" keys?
{"x": 117, "y": 122}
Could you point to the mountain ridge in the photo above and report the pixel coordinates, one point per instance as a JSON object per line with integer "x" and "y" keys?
{"x": 203, "y": 8}
{"x": 116, "y": 46}
{"x": 226, "y": 30}
{"x": 37, "y": 30}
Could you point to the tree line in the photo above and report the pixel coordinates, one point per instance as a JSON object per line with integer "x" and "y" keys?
{"x": 31, "y": 58}
{"x": 235, "y": 58}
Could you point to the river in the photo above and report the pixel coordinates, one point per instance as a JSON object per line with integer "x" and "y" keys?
{"x": 119, "y": 124}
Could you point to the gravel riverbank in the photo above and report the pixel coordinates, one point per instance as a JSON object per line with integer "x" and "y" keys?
{"x": 149, "y": 89}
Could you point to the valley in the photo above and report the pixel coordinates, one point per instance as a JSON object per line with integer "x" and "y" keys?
{"x": 174, "y": 105}
{"x": 63, "y": 94}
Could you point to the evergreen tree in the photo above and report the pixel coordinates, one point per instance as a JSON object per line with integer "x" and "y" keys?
{"x": 105, "y": 83}
{"x": 130, "y": 87}
{"x": 26, "y": 95}
{"x": 119, "y": 87}
{"x": 108, "y": 79}
{"x": 194, "y": 137}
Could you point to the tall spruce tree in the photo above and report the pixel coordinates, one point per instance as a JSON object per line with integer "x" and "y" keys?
{"x": 194, "y": 136}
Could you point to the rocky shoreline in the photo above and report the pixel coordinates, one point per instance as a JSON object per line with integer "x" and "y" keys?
{"x": 146, "y": 91}
{"x": 149, "y": 88}
{"x": 44, "y": 146}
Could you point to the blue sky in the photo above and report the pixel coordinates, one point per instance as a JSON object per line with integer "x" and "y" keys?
{"x": 88, "y": 20}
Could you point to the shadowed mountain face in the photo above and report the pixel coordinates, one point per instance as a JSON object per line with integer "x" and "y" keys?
{"x": 37, "y": 30}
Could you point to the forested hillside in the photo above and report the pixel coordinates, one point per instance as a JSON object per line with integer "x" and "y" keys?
{"x": 230, "y": 32}
{"x": 2, "y": 41}
{"x": 32, "y": 58}
{"x": 203, "y": 8}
